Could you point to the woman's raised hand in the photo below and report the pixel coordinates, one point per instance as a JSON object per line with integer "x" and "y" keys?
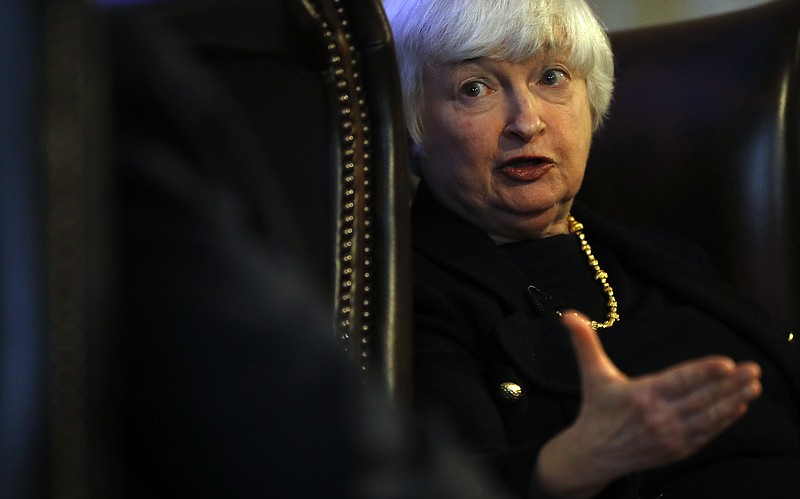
{"x": 632, "y": 424}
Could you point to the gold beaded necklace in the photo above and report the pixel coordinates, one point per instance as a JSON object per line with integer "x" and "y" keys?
{"x": 600, "y": 275}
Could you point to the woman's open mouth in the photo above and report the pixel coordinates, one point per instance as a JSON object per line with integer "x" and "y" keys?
{"x": 527, "y": 169}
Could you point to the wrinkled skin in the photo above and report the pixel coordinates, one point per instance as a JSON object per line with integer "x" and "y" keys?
{"x": 505, "y": 144}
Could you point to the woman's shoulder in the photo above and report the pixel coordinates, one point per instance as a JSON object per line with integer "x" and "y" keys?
{"x": 617, "y": 233}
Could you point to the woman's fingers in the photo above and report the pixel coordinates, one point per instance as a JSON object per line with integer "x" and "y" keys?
{"x": 711, "y": 387}
{"x": 691, "y": 404}
{"x": 659, "y": 418}
{"x": 679, "y": 380}
{"x": 713, "y": 406}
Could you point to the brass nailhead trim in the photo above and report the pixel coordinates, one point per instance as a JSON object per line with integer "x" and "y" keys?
{"x": 354, "y": 300}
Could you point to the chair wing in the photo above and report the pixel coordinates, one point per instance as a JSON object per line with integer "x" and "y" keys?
{"x": 702, "y": 139}
{"x": 317, "y": 82}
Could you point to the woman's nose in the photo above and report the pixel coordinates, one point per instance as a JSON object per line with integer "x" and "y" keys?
{"x": 524, "y": 121}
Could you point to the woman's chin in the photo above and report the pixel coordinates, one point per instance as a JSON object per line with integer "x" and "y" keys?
{"x": 530, "y": 225}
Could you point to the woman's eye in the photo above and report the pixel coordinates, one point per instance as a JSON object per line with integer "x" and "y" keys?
{"x": 553, "y": 77}
{"x": 474, "y": 89}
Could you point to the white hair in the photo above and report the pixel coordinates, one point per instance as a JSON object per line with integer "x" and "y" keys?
{"x": 449, "y": 31}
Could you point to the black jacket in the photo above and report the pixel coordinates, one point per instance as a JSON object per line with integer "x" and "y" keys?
{"x": 476, "y": 328}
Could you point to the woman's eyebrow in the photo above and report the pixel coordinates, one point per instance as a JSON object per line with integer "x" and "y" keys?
{"x": 458, "y": 65}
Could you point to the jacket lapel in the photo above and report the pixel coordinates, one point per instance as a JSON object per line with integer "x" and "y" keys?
{"x": 537, "y": 346}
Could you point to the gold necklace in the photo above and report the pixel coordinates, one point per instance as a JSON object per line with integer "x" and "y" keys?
{"x": 600, "y": 275}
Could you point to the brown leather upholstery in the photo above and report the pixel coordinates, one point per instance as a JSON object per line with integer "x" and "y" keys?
{"x": 702, "y": 139}
{"x": 317, "y": 83}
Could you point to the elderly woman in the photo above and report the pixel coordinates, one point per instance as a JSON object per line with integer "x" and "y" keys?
{"x": 502, "y": 99}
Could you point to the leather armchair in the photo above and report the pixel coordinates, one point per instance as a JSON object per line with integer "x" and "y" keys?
{"x": 229, "y": 390}
{"x": 313, "y": 79}
{"x": 316, "y": 81}
{"x": 702, "y": 139}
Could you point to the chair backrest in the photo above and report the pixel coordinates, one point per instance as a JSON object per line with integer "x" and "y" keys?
{"x": 317, "y": 83}
{"x": 702, "y": 139}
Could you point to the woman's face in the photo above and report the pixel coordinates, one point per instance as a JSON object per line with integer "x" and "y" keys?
{"x": 505, "y": 144}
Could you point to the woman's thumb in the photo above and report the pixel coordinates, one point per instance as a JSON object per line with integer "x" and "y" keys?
{"x": 592, "y": 358}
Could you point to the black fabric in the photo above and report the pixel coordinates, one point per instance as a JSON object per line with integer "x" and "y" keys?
{"x": 477, "y": 326}
{"x": 232, "y": 384}
{"x": 559, "y": 271}
{"x": 222, "y": 351}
